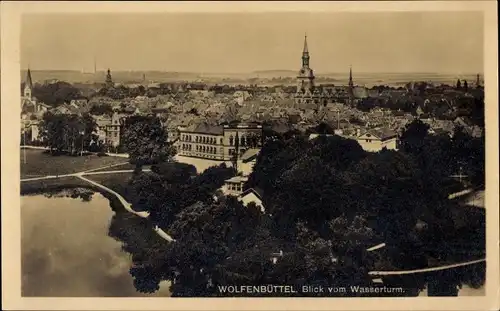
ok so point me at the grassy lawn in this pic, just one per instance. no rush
(118, 182)
(39, 163)
(124, 166)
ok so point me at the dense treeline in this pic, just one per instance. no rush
(326, 202)
(146, 140)
(54, 94)
(71, 134)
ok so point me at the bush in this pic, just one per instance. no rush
(174, 171)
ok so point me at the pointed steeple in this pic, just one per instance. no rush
(305, 54)
(29, 81)
(306, 50)
(351, 84)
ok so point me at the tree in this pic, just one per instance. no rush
(68, 133)
(321, 128)
(170, 188)
(325, 207)
(466, 87)
(145, 140)
(412, 139)
(100, 109)
(459, 84)
(54, 94)
(468, 152)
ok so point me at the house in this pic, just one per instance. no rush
(468, 126)
(30, 129)
(247, 161)
(439, 131)
(316, 135)
(102, 122)
(375, 140)
(252, 196)
(114, 129)
(234, 186)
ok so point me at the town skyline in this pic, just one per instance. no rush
(256, 42)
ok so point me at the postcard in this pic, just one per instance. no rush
(250, 155)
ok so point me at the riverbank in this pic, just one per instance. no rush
(60, 185)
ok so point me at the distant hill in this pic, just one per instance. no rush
(360, 78)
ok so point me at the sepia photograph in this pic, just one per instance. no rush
(253, 154)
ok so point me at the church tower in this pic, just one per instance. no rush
(109, 80)
(305, 79)
(28, 86)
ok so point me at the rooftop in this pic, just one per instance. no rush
(382, 133)
(237, 179)
(249, 154)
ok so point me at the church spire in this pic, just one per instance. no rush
(29, 81)
(351, 84)
(305, 54)
(306, 50)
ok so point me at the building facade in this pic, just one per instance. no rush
(234, 186)
(114, 129)
(218, 142)
(377, 139)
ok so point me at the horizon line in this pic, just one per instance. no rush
(253, 72)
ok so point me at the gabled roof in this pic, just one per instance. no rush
(382, 133)
(257, 191)
(237, 179)
(249, 154)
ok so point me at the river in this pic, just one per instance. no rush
(66, 250)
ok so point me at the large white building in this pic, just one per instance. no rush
(218, 142)
(375, 140)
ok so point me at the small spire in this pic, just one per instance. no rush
(306, 50)
(351, 84)
(29, 81)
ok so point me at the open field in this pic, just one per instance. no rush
(123, 166)
(39, 163)
(200, 164)
(118, 182)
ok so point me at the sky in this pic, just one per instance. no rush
(437, 42)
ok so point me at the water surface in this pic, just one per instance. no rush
(66, 250)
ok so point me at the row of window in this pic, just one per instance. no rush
(201, 139)
(244, 140)
(235, 187)
(203, 149)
